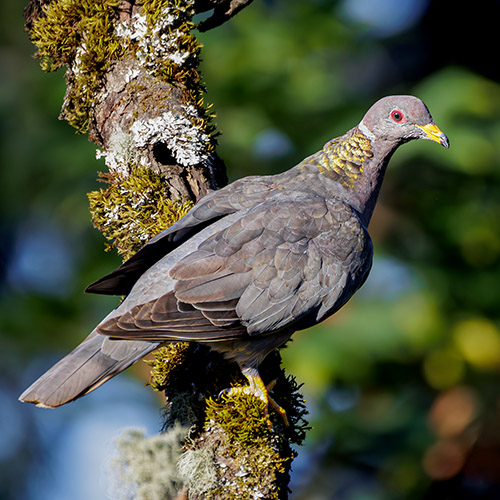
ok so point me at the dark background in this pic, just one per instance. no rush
(403, 383)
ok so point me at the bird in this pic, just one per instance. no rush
(250, 263)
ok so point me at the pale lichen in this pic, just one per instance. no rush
(86, 37)
(154, 43)
(133, 209)
(236, 454)
(185, 139)
(137, 476)
(243, 452)
(121, 153)
(160, 39)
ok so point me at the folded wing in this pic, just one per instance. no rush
(282, 265)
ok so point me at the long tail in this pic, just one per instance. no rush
(93, 362)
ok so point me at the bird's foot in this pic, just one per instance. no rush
(275, 406)
(258, 389)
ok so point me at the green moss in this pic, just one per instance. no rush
(81, 35)
(260, 456)
(166, 360)
(78, 34)
(134, 209)
(185, 75)
(242, 416)
(248, 447)
(185, 42)
(288, 395)
(236, 451)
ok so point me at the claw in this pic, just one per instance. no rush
(257, 388)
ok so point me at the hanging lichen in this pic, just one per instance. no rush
(137, 476)
(133, 210)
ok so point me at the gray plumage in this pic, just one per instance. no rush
(251, 263)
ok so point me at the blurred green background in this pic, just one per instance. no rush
(402, 384)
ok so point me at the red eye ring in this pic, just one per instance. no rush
(397, 116)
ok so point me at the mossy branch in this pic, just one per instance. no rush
(134, 209)
(134, 85)
(231, 452)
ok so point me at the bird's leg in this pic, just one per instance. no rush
(258, 389)
(272, 403)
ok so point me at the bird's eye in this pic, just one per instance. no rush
(397, 116)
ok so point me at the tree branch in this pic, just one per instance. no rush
(134, 85)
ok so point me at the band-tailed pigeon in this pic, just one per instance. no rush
(251, 263)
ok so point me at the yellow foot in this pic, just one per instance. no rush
(275, 406)
(257, 388)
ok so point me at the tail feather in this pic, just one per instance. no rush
(89, 365)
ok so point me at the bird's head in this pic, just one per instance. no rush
(400, 119)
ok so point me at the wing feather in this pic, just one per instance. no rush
(279, 265)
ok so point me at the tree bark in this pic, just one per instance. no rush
(134, 86)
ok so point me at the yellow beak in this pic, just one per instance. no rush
(432, 132)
